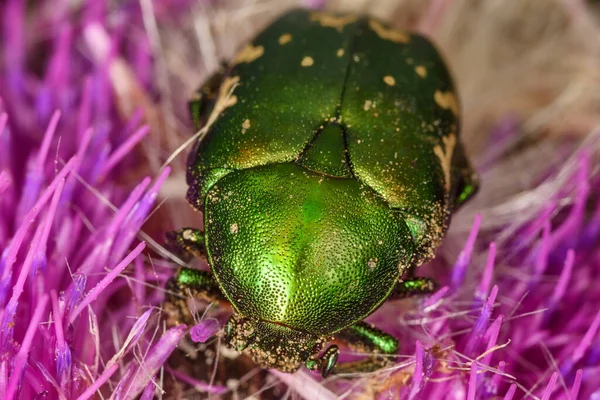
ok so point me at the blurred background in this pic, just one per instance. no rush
(107, 82)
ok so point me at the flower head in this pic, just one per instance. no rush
(73, 285)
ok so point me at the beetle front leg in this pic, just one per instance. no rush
(190, 283)
(413, 287)
(187, 243)
(366, 338)
(325, 363)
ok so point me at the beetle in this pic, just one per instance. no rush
(328, 168)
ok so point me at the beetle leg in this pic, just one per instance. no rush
(187, 243)
(413, 287)
(189, 283)
(366, 338)
(205, 96)
(325, 363)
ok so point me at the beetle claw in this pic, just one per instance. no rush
(328, 360)
(325, 363)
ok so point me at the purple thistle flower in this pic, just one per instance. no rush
(204, 330)
(136, 380)
(80, 298)
(68, 230)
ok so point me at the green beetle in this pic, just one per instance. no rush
(329, 167)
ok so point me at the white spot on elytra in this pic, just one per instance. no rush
(245, 125)
(285, 38)
(307, 61)
(389, 80)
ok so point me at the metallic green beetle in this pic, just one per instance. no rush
(329, 167)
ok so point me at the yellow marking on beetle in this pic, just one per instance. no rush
(285, 38)
(224, 100)
(445, 156)
(248, 54)
(388, 34)
(446, 100)
(340, 52)
(332, 21)
(389, 80)
(226, 97)
(245, 125)
(307, 61)
(421, 71)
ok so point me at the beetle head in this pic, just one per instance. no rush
(274, 345)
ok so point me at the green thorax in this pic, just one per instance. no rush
(311, 252)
